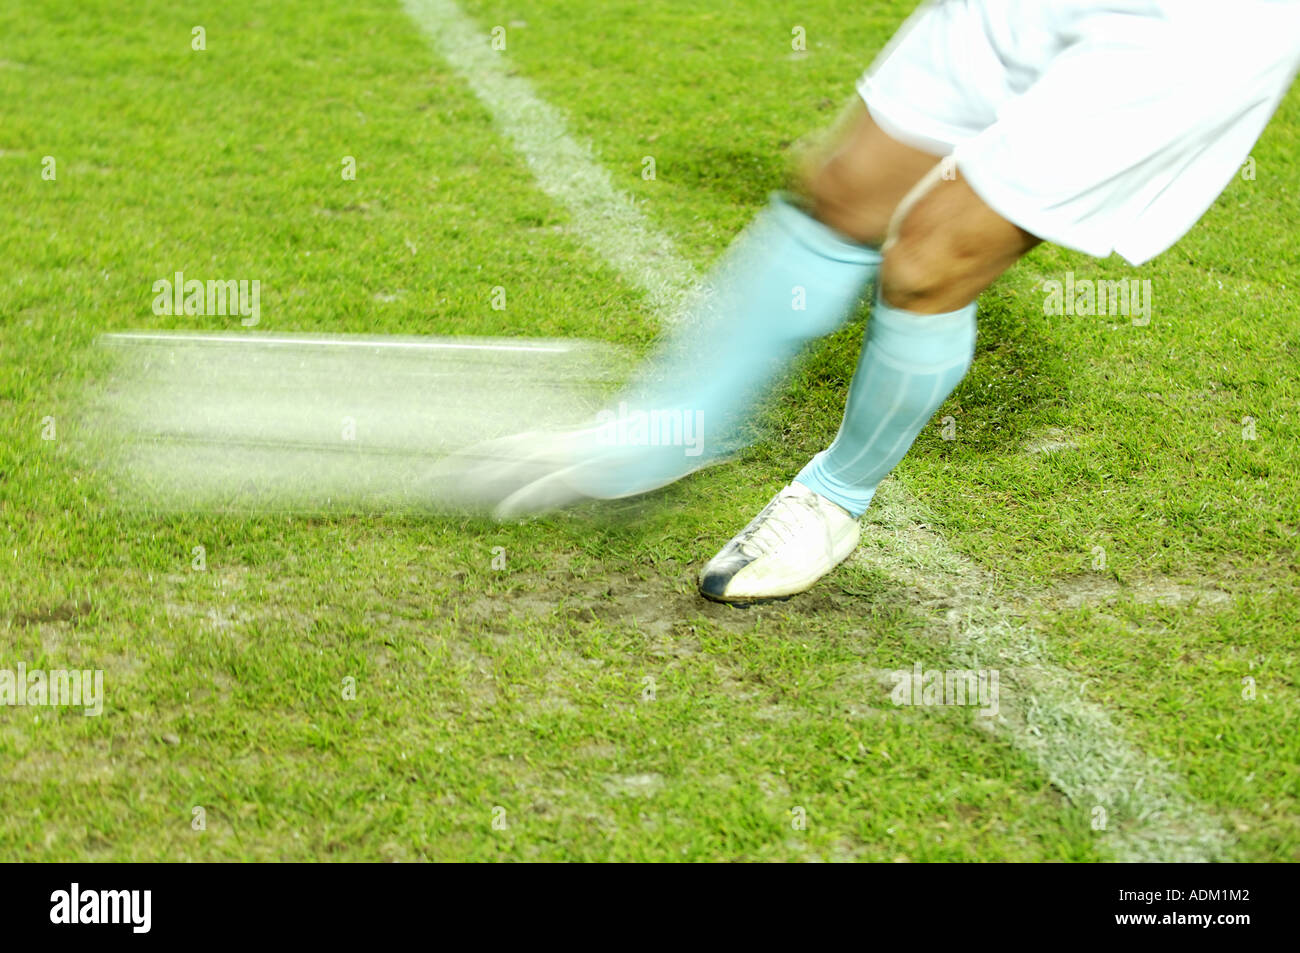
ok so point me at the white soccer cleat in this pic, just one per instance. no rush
(591, 471)
(539, 471)
(797, 538)
(485, 474)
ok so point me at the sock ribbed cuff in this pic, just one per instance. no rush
(922, 338)
(852, 499)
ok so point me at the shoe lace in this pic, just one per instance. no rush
(775, 525)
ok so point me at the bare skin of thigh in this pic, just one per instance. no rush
(942, 244)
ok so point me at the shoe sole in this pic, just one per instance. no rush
(745, 602)
(750, 603)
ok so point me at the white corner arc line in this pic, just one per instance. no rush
(607, 219)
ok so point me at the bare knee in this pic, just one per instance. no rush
(929, 269)
(945, 248)
(857, 179)
(842, 196)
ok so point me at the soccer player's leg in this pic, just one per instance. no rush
(795, 274)
(859, 176)
(944, 246)
(1181, 105)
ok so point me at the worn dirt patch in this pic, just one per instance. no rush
(1100, 590)
(653, 606)
(67, 611)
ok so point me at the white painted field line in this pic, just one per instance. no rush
(1074, 742)
(605, 218)
(1044, 711)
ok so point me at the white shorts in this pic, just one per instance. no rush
(1100, 126)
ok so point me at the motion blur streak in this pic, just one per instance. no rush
(310, 423)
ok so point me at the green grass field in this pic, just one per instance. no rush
(584, 698)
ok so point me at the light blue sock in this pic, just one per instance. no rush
(787, 280)
(910, 363)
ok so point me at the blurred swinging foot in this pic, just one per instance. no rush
(537, 472)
